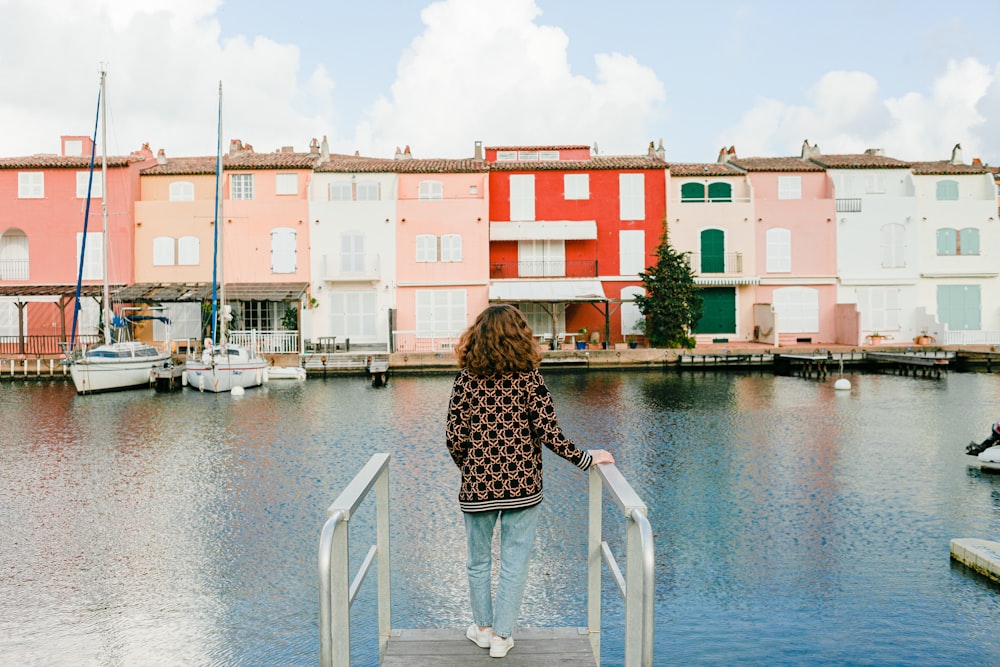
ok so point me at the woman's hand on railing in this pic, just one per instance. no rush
(601, 456)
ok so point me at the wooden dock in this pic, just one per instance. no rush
(533, 647)
(983, 556)
(805, 365)
(926, 365)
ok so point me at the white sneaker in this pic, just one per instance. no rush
(500, 645)
(480, 638)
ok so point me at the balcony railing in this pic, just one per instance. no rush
(849, 205)
(728, 262)
(412, 341)
(569, 268)
(13, 269)
(351, 267)
(41, 345)
(269, 342)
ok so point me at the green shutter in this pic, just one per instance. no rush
(946, 241)
(720, 192)
(719, 314)
(713, 245)
(692, 192)
(968, 241)
(959, 306)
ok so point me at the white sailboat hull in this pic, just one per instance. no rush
(116, 366)
(220, 373)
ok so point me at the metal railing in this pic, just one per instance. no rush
(412, 341)
(552, 268)
(848, 204)
(984, 337)
(338, 590)
(335, 596)
(271, 342)
(636, 586)
(44, 344)
(727, 262)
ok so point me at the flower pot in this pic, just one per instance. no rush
(581, 345)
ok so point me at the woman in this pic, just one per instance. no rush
(499, 416)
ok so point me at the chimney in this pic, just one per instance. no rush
(651, 151)
(235, 147)
(723, 156)
(324, 149)
(313, 147)
(161, 156)
(809, 151)
(976, 162)
(878, 152)
(956, 154)
(287, 149)
(661, 152)
(399, 154)
(407, 155)
(477, 153)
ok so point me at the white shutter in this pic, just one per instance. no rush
(93, 263)
(188, 250)
(522, 197)
(631, 197)
(283, 249)
(631, 251)
(779, 250)
(163, 251)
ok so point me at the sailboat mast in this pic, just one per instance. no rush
(218, 289)
(106, 292)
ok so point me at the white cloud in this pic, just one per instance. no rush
(845, 114)
(485, 69)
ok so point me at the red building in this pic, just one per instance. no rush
(569, 233)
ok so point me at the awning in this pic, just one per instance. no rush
(548, 291)
(551, 230)
(169, 292)
(726, 282)
(47, 293)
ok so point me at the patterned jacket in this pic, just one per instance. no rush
(495, 429)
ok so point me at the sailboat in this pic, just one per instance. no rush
(223, 366)
(114, 364)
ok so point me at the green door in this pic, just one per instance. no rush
(713, 245)
(958, 306)
(719, 315)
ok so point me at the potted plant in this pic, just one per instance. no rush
(923, 338)
(581, 342)
(875, 338)
(632, 342)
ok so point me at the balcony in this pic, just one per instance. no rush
(849, 205)
(351, 268)
(13, 269)
(728, 262)
(550, 268)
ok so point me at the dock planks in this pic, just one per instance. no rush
(983, 556)
(533, 647)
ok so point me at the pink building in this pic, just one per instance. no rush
(796, 246)
(43, 203)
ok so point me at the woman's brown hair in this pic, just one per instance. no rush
(499, 341)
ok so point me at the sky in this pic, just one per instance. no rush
(912, 78)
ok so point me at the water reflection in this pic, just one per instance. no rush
(794, 524)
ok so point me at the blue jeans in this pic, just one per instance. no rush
(517, 535)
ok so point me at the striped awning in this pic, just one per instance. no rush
(725, 282)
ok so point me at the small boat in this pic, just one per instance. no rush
(223, 366)
(286, 373)
(115, 364)
(989, 460)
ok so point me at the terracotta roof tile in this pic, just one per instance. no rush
(945, 167)
(537, 148)
(367, 165)
(598, 162)
(859, 161)
(182, 166)
(64, 162)
(774, 164)
(703, 169)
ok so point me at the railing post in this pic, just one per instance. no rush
(382, 545)
(594, 562)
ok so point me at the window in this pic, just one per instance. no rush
(720, 191)
(83, 182)
(631, 251)
(522, 197)
(352, 252)
(540, 319)
(90, 318)
(789, 187)
(947, 241)
(188, 250)
(262, 315)
(947, 190)
(631, 196)
(9, 320)
(879, 308)
(506, 156)
(960, 307)
(426, 248)
(185, 322)
(548, 156)
(283, 249)
(451, 248)
(93, 259)
(692, 192)
(73, 147)
(527, 156)
(163, 251)
(875, 183)
(958, 242)
(341, 191)
(440, 313)
(354, 314)
(286, 184)
(779, 250)
(14, 255)
(576, 186)
(632, 318)
(541, 258)
(968, 241)
(369, 191)
(430, 190)
(893, 246)
(797, 309)
(30, 184)
(241, 186)
(181, 191)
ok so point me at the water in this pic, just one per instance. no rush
(794, 524)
